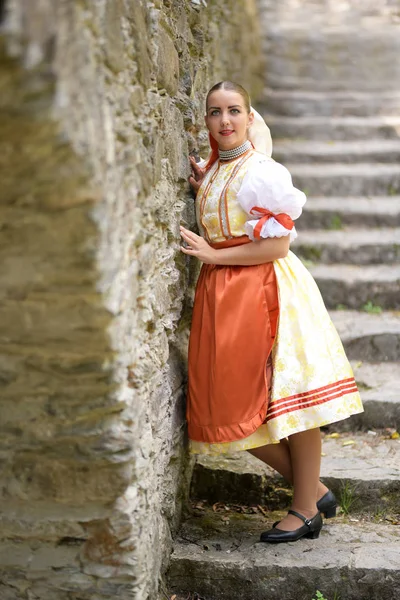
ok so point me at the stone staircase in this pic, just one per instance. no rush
(333, 104)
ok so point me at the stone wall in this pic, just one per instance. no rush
(100, 102)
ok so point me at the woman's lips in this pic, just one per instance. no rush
(227, 132)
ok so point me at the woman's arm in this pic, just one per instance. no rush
(256, 253)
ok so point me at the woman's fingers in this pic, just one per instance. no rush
(187, 250)
(194, 183)
(189, 235)
(197, 176)
(198, 171)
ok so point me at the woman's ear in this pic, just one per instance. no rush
(251, 118)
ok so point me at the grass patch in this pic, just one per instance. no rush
(371, 308)
(363, 386)
(347, 497)
(319, 596)
(311, 253)
(335, 223)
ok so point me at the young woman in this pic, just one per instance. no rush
(266, 366)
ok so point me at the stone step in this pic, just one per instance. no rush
(349, 245)
(356, 286)
(346, 57)
(333, 128)
(342, 11)
(379, 385)
(294, 151)
(361, 465)
(335, 213)
(220, 558)
(337, 179)
(311, 103)
(369, 336)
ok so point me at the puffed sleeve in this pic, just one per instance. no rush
(269, 197)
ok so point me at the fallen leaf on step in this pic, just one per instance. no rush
(262, 510)
(395, 435)
(225, 519)
(323, 453)
(349, 443)
(332, 436)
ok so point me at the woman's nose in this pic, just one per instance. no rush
(224, 119)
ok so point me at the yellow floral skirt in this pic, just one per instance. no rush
(312, 383)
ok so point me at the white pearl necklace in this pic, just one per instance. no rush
(234, 152)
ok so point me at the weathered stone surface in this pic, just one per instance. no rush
(303, 55)
(100, 103)
(338, 179)
(294, 151)
(333, 128)
(240, 478)
(334, 213)
(215, 558)
(353, 287)
(350, 246)
(371, 337)
(368, 466)
(380, 389)
(353, 103)
(333, 12)
(319, 46)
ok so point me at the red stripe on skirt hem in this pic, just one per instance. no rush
(311, 403)
(313, 395)
(317, 390)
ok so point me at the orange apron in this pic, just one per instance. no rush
(234, 324)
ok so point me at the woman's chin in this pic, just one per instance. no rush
(228, 142)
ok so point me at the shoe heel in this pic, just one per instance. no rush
(313, 535)
(330, 513)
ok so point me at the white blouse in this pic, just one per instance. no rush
(268, 184)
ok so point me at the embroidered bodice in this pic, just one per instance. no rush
(231, 192)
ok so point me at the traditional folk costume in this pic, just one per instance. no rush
(265, 360)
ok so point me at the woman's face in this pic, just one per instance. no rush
(227, 119)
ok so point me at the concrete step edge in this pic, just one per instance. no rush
(362, 469)
(352, 273)
(351, 560)
(348, 236)
(353, 324)
(326, 147)
(333, 95)
(357, 205)
(339, 169)
(353, 121)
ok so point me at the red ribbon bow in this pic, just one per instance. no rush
(282, 218)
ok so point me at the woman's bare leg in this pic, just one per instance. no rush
(305, 452)
(279, 458)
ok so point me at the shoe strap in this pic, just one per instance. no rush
(299, 516)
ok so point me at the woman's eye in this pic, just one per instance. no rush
(235, 111)
(214, 113)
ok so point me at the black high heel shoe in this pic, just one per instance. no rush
(327, 505)
(310, 529)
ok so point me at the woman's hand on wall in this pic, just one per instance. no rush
(197, 175)
(197, 246)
